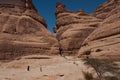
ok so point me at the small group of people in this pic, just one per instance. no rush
(60, 52)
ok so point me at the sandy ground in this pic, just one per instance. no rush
(43, 68)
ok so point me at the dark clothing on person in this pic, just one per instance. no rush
(28, 68)
(60, 51)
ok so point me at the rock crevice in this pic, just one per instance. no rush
(73, 27)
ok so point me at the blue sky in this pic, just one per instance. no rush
(46, 8)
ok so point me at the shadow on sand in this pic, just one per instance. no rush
(103, 67)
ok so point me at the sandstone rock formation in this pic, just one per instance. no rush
(23, 31)
(105, 40)
(72, 28)
(103, 10)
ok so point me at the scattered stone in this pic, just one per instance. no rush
(61, 75)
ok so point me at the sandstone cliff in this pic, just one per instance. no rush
(105, 40)
(72, 28)
(104, 9)
(23, 31)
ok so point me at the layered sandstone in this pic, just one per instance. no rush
(105, 40)
(72, 28)
(23, 31)
(104, 9)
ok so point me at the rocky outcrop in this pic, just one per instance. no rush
(23, 31)
(104, 9)
(104, 42)
(72, 28)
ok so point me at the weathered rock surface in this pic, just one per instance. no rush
(105, 40)
(104, 9)
(23, 31)
(72, 28)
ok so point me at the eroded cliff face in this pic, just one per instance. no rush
(83, 34)
(104, 9)
(104, 42)
(23, 31)
(72, 28)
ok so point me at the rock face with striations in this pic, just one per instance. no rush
(72, 28)
(105, 40)
(23, 31)
(103, 10)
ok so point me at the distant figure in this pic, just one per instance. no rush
(40, 68)
(28, 68)
(60, 50)
(87, 57)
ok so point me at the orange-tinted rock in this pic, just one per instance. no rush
(104, 42)
(103, 10)
(23, 31)
(72, 28)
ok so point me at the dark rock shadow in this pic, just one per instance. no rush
(38, 58)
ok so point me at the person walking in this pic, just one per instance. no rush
(28, 68)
